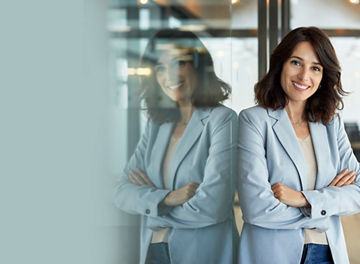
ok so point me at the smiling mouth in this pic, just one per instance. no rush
(175, 86)
(299, 86)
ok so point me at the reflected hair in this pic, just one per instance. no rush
(210, 90)
(322, 105)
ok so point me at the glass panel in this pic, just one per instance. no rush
(137, 61)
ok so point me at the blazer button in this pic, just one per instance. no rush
(148, 211)
(323, 212)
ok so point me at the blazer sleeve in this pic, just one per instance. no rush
(337, 200)
(257, 201)
(213, 200)
(136, 199)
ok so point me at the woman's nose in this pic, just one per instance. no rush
(303, 75)
(171, 74)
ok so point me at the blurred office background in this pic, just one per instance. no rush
(71, 119)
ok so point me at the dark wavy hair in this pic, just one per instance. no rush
(210, 90)
(321, 106)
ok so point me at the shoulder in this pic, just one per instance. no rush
(221, 113)
(257, 112)
(256, 115)
(336, 125)
(256, 121)
(337, 122)
(217, 118)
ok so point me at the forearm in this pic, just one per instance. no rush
(261, 208)
(181, 218)
(136, 199)
(204, 209)
(333, 201)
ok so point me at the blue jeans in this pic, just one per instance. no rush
(158, 253)
(316, 254)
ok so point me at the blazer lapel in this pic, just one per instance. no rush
(288, 139)
(188, 139)
(158, 152)
(322, 152)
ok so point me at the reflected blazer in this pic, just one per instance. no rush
(269, 152)
(202, 230)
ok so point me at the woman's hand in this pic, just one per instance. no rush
(182, 195)
(138, 177)
(289, 196)
(343, 178)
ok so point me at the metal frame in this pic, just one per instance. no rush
(133, 113)
(262, 38)
(273, 25)
(211, 33)
(285, 17)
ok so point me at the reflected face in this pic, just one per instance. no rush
(301, 73)
(176, 75)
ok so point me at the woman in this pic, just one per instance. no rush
(297, 172)
(180, 176)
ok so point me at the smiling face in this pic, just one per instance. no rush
(176, 75)
(301, 73)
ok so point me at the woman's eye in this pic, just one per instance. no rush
(181, 63)
(177, 64)
(159, 68)
(295, 62)
(317, 69)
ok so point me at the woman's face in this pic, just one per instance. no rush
(176, 75)
(301, 73)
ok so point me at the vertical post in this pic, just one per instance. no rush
(285, 17)
(132, 231)
(133, 113)
(273, 25)
(262, 38)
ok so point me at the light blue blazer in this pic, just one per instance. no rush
(269, 152)
(203, 229)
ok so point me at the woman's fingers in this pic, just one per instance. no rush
(193, 186)
(135, 178)
(346, 180)
(138, 177)
(338, 177)
(182, 195)
(351, 179)
(190, 189)
(277, 189)
(132, 178)
(144, 177)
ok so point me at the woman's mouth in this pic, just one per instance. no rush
(175, 86)
(300, 86)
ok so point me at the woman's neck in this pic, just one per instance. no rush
(186, 111)
(296, 112)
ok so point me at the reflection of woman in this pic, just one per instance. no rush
(180, 176)
(291, 147)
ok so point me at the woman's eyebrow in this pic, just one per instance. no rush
(299, 58)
